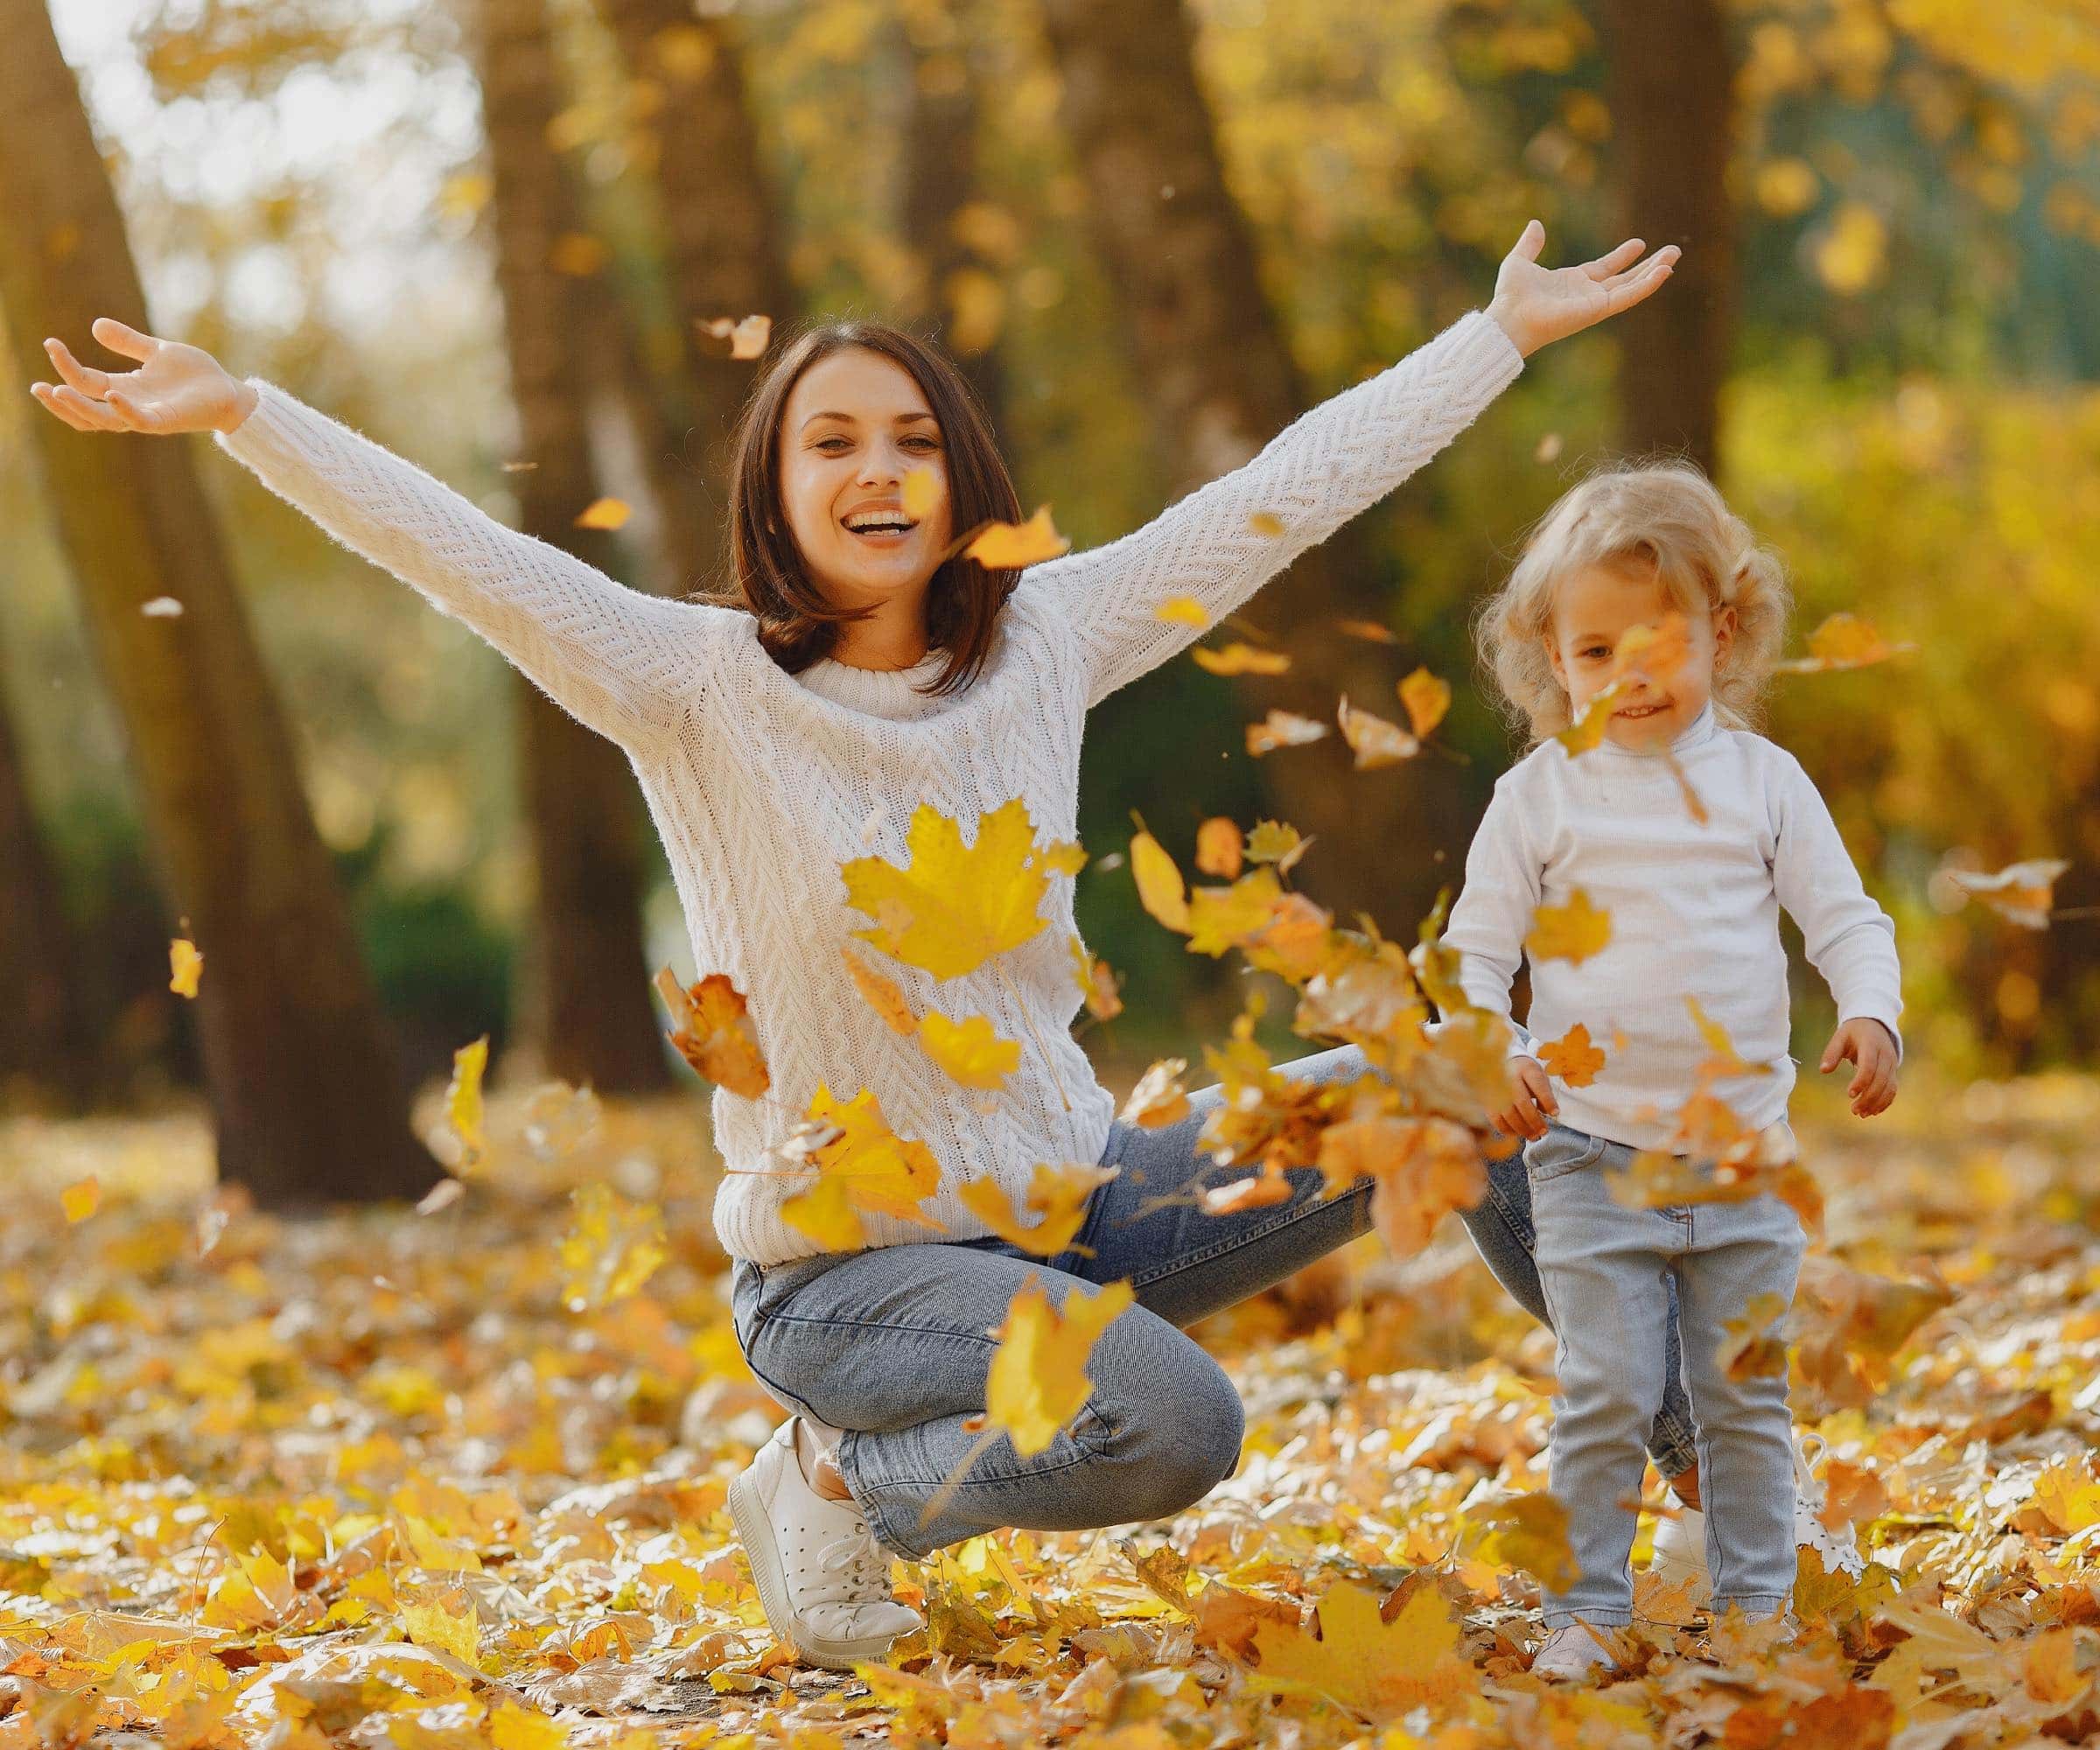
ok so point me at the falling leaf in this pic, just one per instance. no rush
(185, 967)
(1182, 610)
(1843, 642)
(606, 513)
(1219, 848)
(1427, 699)
(1588, 730)
(1273, 842)
(1011, 547)
(1573, 932)
(1752, 1347)
(1375, 741)
(1723, 1059)
(952, 907)
(737, 338)
(1239, 658)
(1571, 1058)
(1266, 524)
(1281, 729)
(611, 1248)
(712, 1029)
(1377, 1669)
(1265, 1189)
(1222, 918)
(2022, 893)
(1098, 986)
(82, 1198)
(865, 1168)
(1425, 1168)
(1531, 1531)
(1037, 1380)
(922, 491)
(970, 1051)
(441, 1195)
(883, 995)
(1853, 1325)
(1159, 1099)
(1548, 449)
(1160, 890)
(463, 1109)
(1368, 630)
(161, 607)
(1058, 1196)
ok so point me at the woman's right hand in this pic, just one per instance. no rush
(1531, 1100)
(176, 388)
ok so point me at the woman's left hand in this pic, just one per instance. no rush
(1536, 304)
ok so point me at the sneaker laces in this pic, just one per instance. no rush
(859, 1562)
(1805, 1461)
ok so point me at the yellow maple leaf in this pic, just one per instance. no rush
(712, 1028)
(1531, 1531)
(1239, 658)
(969, 1050)
(1038, 1381)
(1373, 740)
(1571, 932)
(612, 1246)
(82, 1198)
(1377, 1668)
(866, 1166)
(1843, 642)
(1182, 610)
(883, 994)
(1274, 841)
(1427, 699)
(1726, 1059)
(1160, 886)
(604, 512)
(1013, 546)
(1220, 918)
(185, 967)
(463, 1109)
(1058, 1195)
(1571, 1058)
(955, 906)
(450, 1629)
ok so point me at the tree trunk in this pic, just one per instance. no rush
(1669, 59)
(302, 1072)
(1220, 383)
(586, 1003)
(939, 183)
(42, 1045)
(721, 235)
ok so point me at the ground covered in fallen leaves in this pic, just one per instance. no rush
(458, 1478)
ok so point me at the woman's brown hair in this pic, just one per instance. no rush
(796, 625)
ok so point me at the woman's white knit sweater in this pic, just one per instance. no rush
(762, 784)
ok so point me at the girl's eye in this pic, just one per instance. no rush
(1597, 650)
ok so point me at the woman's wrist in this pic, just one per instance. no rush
(1502, 310)
(245, 402)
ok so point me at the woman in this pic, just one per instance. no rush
(866, 674)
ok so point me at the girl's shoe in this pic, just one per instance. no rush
(1679, 1557)
(823, 1578)
(1571, 1654)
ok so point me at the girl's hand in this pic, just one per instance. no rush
(1532, 1100)
(176, 388)
(1871, 1049)
(1536, 304)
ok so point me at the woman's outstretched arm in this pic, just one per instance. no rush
(618, 659)
(1224, 541)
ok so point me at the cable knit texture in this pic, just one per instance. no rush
(1694, 913)
(762, 784)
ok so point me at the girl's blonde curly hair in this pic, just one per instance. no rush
(1665, 516)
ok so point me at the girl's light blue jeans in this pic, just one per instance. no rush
(1608, 1273)
(892, 1345)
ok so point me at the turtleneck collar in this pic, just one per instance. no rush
(1701, 728)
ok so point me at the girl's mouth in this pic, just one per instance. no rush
(1633, 713)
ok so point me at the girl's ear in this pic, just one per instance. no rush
(1551, 645)
(1724, 630)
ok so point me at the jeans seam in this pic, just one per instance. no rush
(1223, 1247)
(984, 1342)
(1086, 1455)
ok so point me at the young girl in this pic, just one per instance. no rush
(1689, 832)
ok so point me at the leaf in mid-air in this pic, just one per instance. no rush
(1057, 1195)
(1182, 610)
(606, 514)
(1843, 642)
(866, 1167)
(1014, 546)
(711, 1025)
(1096, 981)
(2021, 893)
(1588, 730)
(1158, 1098)
(1572, 1058)
(955, 906)
(1219, 848)
(882, 994)
(1281, 729)
(731, 337)
(1038, 1381)
(970, 1051)
(1160, 890)
(1240, 658)
(1571, 932)
(463, 1109)
(1427, 699)
(613, 1248)
(1375, 740)
(185, 967)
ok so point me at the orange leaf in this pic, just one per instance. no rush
(1375, 741)
(1571, 1058)
(1427, 699)
(1242, 659)
(1158, 1098)
(1219, 847)
(884, 995)
(1843, 642)
(604, 512)
(862, 1166)
(185, 967)
(1010, 547)
(712, 1030)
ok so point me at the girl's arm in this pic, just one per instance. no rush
(619, 660)
(1849, 940)
(1494, 908)
(1221, 543)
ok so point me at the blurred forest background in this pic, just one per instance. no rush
(484, 231)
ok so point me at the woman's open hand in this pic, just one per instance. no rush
(1537, 304)
(175, 389)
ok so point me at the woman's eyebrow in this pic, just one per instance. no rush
(902, 419)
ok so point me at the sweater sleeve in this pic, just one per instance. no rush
(1338, 459)
(618, 659)
(1849, 940)
(1494, 908)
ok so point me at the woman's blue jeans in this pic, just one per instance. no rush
(892, 1345)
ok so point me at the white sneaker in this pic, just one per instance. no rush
(1679, 1557)
(822, 1577)
(1571, 1654)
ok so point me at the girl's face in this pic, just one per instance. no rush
(855, 424)
(1594, 609)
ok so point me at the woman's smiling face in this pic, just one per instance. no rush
(856, 424)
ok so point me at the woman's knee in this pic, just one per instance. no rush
(1173, 1442)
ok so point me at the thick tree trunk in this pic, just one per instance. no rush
(939, 183)
(586, 1004)
(1220, 383)
(41, 1043)
(302, 1072)
(1669, 59)
(721, 238)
